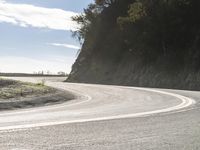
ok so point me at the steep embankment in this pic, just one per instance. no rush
(142, 43)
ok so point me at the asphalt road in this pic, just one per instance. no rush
(106, 117)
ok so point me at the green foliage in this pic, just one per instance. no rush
(149, 28)
(135, 13)
(85, 21)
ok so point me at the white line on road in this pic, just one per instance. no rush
(185, 102)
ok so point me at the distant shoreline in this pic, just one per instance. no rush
(29, 75)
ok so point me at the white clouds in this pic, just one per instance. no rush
(28, 65)
(65, 45)
(28, 15)
(2, 1)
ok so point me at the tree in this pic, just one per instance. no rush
(85, 20)
(104, 3)
(135, 13)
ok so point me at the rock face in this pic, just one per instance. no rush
(124, 68)
(128, 71)
(112, 56)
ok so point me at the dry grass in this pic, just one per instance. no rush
(15, 89)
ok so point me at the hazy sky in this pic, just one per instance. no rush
(35, 34)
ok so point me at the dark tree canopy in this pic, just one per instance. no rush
(166, 27)
(140, 42)
(104, 3)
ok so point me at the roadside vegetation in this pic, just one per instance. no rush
(10, 89)
(152, 43)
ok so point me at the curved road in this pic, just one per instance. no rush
(106, 117)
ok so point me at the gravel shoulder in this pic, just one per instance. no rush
(17, 94)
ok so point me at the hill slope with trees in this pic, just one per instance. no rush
(152, 43)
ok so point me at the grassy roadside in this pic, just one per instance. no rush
(10, 89)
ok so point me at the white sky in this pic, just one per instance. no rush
(37, 37)
(27, 65)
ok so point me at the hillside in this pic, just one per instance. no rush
(151, 43)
